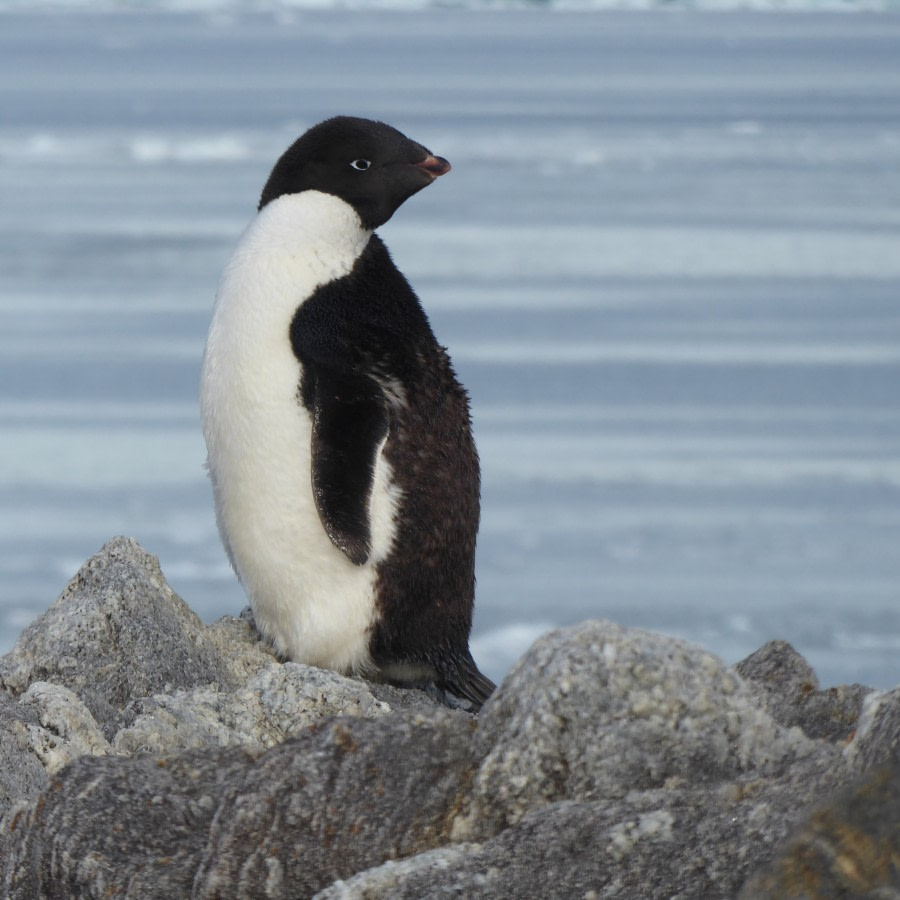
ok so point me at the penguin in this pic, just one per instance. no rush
(344, 472)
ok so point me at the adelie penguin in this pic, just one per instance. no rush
(345, 476)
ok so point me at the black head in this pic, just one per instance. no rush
(369, 164)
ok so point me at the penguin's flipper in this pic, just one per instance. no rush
(349, 424)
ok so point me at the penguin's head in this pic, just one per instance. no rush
(370, 165)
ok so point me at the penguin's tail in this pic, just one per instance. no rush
(466, 681)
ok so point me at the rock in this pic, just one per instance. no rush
(22, 776)
(67, 729)
(788, 689)
(340, 799)
(877, 738)
(238, 646)
(112, 827)
(117, 632)
(282, 700)
(132, 670)
(598, 711)
(697, 843)
(848, 848)
(242, 822)
(147, 755)
(447, 871)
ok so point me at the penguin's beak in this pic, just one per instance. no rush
(435, 166)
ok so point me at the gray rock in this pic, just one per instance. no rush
(112, 827)
(237, 643)
(452, 871)
(241, 822)
(145, 755)
(67, 729)
(343, 798)
(693, 844)
(132, 670)
(282, 700)
(877, 738)
(117, 632)
(849, 848)
(423, 699)
(788, 689)
(22, 776)
(598, 711)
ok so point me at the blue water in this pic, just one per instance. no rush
(666, 264)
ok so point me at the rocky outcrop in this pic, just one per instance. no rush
(147, 755)
(849, 847)
(118, 632)
(787, 688)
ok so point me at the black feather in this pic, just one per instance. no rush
(349, 424)
(469, 683)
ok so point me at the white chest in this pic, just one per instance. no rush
(306, 596)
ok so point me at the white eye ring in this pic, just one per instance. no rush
(360, 164)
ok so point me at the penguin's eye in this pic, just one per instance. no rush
(360, 164)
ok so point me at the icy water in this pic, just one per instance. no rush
(666, 264)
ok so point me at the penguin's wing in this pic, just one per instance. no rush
(350, 423)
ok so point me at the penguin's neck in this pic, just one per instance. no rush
(296, 243)
(313, 232)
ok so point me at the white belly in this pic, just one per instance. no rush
(307, 597)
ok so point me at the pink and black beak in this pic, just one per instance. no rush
(435, 166)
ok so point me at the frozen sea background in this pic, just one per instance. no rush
(666, 264)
